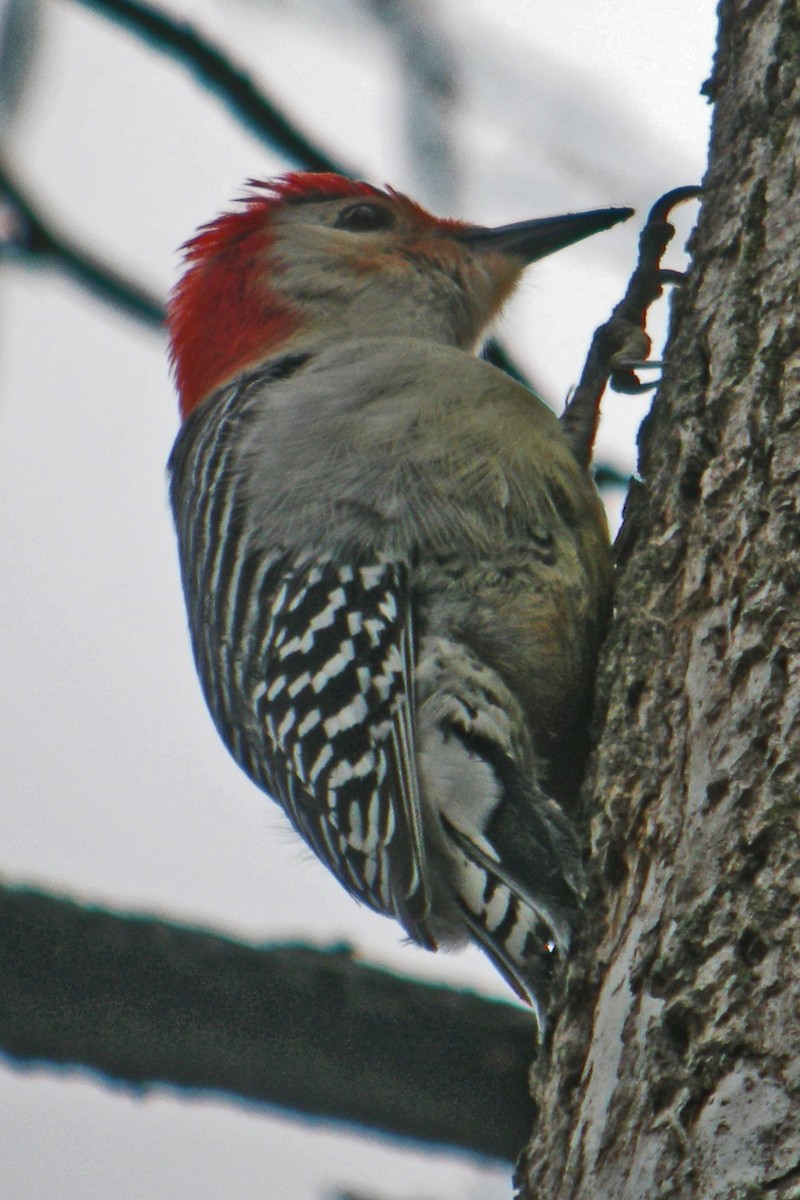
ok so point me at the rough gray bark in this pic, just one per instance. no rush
(676, 1066)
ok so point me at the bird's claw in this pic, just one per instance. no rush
(629, 383)
(620, 346)
(655, 238)
(667, 275)
(664, 205)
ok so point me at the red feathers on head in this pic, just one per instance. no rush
(222, 315)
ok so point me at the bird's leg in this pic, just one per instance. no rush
(620, 346)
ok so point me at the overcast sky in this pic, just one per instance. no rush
(113, 784)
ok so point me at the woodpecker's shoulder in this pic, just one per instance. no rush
(402, 374)
(404, 396)
(389, 444)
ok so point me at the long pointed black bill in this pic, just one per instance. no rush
(532, 240)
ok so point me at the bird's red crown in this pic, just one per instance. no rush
(222, 314)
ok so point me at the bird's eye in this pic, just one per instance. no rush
(364, 218)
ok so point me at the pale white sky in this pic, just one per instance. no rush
(113, 785)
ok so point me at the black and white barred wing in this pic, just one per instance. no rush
(335, 702)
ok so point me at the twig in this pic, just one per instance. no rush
(430, 87)
(214, 70)
(497, 354)
(33, 237)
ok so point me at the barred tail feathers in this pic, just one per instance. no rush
(509, 850)
(512, 911)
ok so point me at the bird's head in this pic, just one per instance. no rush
(312, 258)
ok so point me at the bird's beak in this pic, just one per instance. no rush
(532, 240)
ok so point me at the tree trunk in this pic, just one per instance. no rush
(676, 1064)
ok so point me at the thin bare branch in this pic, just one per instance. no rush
(30, 235)
(214, 69)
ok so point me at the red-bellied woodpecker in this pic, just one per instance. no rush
(396, 571)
